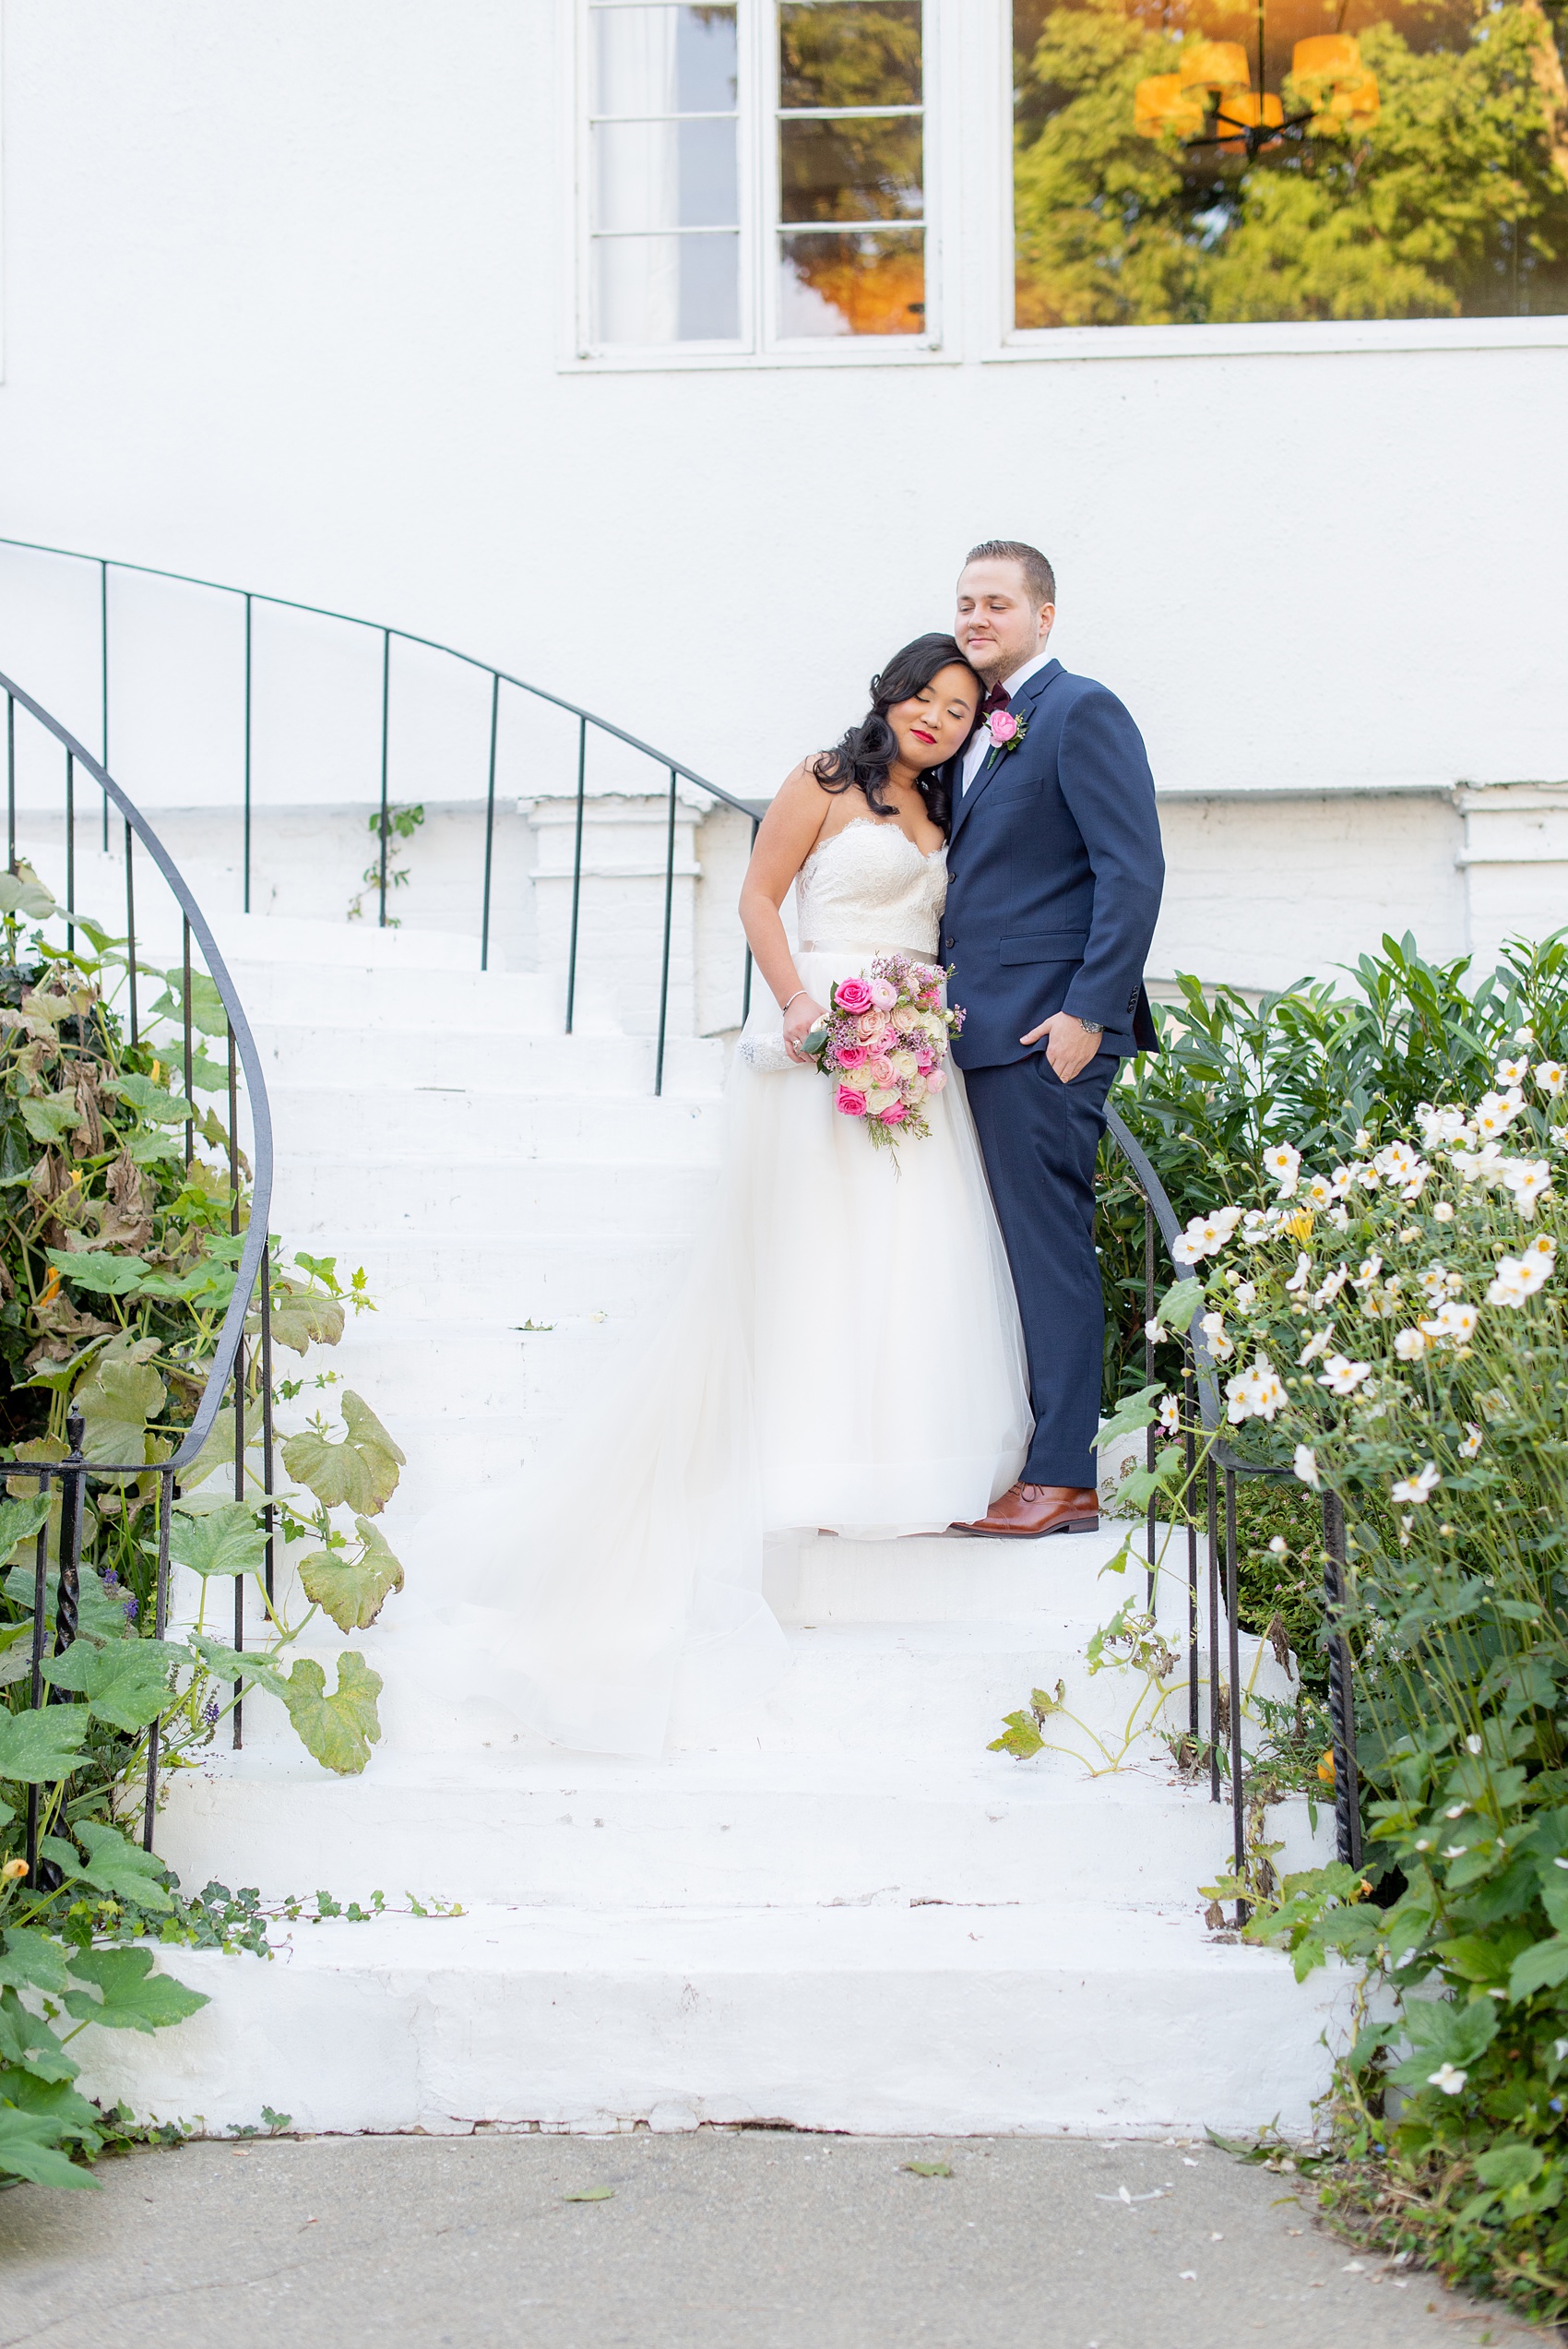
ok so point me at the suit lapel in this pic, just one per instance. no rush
(995, 758)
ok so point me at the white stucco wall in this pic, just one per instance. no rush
(283, 306)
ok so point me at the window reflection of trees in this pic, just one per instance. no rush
(1454, 201)
(845, 159)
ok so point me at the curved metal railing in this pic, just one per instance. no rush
(674, 769)
(1203, 1413)
(226, 1366)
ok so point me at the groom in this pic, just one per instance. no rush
(1053, 886)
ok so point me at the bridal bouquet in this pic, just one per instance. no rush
(884, 1043)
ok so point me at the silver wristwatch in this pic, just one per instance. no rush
(1092, 1026)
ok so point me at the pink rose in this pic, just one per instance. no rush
(1003, 726)
(849, 1103)
(854, 996)
(880, 1071)
(883, 995)
(852, 1056)
(869, 1028)
(925, 1062)
(896, 1116)
(935, 1080)
(932, 1002)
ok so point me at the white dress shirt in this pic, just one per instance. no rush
(974, 757)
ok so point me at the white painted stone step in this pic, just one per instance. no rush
(488, 1278)
(1052, 2017)
(587, 1831)
(443, 1056)
(317, 1194)
(386, 1126)
(365, 996)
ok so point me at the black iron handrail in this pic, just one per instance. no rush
(252, 1279)
(675, 769)
(1201, 1413)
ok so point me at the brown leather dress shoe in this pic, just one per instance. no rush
(1025, 1512)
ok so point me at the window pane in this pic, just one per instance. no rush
(665, 175)
(663, 61)
(666, 288)
(870, 284)
(1207, 161)
(858, 170)
(850, 52)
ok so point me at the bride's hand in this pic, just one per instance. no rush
(802, 1016)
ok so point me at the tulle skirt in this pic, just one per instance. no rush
(844, 1353)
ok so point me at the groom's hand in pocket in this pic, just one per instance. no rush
(1069, 1045)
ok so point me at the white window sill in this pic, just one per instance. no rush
(852, 351)
(1286, 337)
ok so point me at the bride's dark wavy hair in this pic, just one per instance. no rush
(862, 760)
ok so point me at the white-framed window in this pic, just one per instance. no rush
(754, 177)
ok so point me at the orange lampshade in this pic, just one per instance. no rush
(1326, 58)
(1160, 104)
(1215, 64)
(1352, 106)
(1244, 109)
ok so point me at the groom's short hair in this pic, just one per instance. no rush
(1039, 577)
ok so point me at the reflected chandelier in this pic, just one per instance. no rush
(1213, 85)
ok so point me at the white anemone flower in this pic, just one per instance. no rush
(1397, 1160)
(1450, 2077)
(1342, 1377)
(1283, 1164)
(1473, 1440)
(1305, 1465)
(1340, 1181)
(1297, 1284)
(1552, 1076)
(1155, 1331)
(1219, 1346)
(1332, 1286)
(1451, 1324)
(1169, 1416)
(1315, 1346)
(1370, 1266)
(1418, 1488)
(1529, 1179)
(1513, 1072)
(1494, 1113)
(1368, 1176)
(1257, 1393)
(1244, 1296)
(1410, 1344)
(1321, 1192)
(1518, 1277)
(1435, 1280)
(1340, 1217)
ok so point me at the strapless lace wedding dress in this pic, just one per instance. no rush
(845, 1354)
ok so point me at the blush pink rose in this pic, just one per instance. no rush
(925, 1062)
(854, 996)
(935, 1080)
(854, 1056)
(896, 1116)
(932, 1002)
(1003, 725)
(849, 1103)
(869, 1026)
(883, 995)
(880, 1071)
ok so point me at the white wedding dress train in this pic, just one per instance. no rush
(845, 1354)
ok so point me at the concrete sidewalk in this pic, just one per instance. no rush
(768, 2239)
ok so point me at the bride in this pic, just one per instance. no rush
(845, 1354)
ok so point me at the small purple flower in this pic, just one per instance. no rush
(131, 1609)
(111, 1579)
(209, 1712)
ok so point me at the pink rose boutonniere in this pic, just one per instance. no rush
(1006, 732)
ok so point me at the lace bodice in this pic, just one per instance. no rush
(872, 890)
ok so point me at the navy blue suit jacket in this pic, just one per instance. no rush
(1054, 874)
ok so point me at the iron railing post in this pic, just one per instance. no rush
(746, 979)
(70, 852)
(1233, 1659)
(246, 901)
(668, 916)
(131, 934)
(386, 710)
(67, 1589)
(489, 820)
(1213, 1496)
(1341, 1688)
(576, 875)
(186, 1029)
(35, 1684)
(160, 1620)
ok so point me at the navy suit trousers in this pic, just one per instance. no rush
(1041, 1139)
